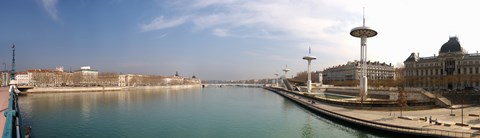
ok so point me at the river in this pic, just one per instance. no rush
(228, 112)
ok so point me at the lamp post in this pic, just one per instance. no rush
(13, 63)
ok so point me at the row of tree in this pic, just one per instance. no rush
(56, 78)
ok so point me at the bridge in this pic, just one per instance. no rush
(12, 120)
(233, 85)
(13, 127)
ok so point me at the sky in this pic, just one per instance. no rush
(225, 39)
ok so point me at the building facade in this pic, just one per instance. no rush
(129, 79)
(351, 71)
(47, 78)
(23, 78)
(453, 68)
(85, 76)
(5, 78)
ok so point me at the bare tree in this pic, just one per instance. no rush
(108, 79)
(402, 99)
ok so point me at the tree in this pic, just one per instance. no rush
(402, 99)
(304, 76)
(108, 78)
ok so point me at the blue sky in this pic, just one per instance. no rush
(224, 39)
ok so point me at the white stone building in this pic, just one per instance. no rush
(453, 68)
(23, 78)
(85, 76)
(351, 71)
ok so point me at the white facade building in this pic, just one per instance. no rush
(23, 78)
(351, 71)
(85, 76)
(453, 68)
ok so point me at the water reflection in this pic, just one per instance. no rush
(307, 130)
(209, 112)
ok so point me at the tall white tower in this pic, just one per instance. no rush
(286, 70)
(363, 33)
(276, 79)
(309, 58)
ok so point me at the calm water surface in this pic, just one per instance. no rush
(187, 113)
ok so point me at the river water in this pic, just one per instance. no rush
(228, 112)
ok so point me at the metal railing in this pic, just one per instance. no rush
(377, 125)
(13, 120)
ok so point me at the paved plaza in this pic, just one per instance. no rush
(412, 118)
(4, 96)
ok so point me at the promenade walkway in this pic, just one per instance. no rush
(412, 122)
(4, 96)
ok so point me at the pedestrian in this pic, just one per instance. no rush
(430, 119)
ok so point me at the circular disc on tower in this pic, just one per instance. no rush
(363, 31)
(309, 57)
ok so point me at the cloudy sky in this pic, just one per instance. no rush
(225, 39)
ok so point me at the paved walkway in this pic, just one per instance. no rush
(412, 118)
(4, 96)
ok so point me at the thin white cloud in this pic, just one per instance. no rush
(220, 32)
(161, 23)
(51, 7)
(161, 36)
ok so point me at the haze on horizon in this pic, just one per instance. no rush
(225, 39)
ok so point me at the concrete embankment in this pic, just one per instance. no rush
(71, 89)
(100, 89)
(384, 120)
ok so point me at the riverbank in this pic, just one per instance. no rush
(441, 123)
(38, 90)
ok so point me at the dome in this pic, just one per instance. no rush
(451, 46)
